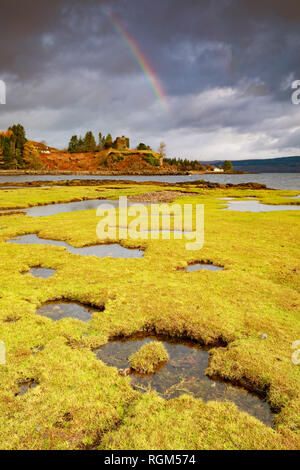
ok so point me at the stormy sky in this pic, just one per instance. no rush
(225, 69)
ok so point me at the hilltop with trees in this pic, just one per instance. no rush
(87, 153)
(88, 143)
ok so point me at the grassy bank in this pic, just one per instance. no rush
(79, 401)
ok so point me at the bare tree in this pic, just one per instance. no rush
(162, 149)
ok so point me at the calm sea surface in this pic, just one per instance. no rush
(272, 180)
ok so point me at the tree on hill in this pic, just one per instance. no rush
(162, 149)
(12, 143)
(19, 140)
(108, 141)
(89, 142)
(143, 146)
(80, 147)
(101, 141)
(227, 165)
(73, 144)
(9, 153)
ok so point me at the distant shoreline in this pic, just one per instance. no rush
(117, 173)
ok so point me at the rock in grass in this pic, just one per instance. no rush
(148, 358)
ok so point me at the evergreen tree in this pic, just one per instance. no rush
(89, 142)
(80, 147)
(8, 153)
(143, 146)
(108, 141)
(19, 136)
(12, 144)
(101, 141)
(73, 144)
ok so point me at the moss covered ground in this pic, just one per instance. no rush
(80, 402)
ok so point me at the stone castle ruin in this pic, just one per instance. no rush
(121, 143)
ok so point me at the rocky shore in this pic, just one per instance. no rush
(152, 172)
(79, 182)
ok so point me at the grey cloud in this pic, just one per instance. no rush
(226, 67)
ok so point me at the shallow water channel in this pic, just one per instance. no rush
(113, 250)
(63, 207)
(184, 373)
(52, 209)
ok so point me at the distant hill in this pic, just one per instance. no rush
(265, 165)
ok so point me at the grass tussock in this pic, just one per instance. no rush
(148, 358)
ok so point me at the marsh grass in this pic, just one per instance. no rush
(80, 402)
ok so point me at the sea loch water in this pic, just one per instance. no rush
(271, 180)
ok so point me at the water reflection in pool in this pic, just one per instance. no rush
(51, 209)
(58, 310)
(43, 273)
(207, 267)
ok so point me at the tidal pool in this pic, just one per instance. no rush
(58, 208)
(51, 209)
(43, 273)
(207, 267)
(256, 206)
(184, 373)
(113, 250)
(200, 266)
(58, 310)
(25, 386)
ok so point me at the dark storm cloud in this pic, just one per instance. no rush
(226, 65)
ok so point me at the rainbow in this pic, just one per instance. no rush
(142, 62)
